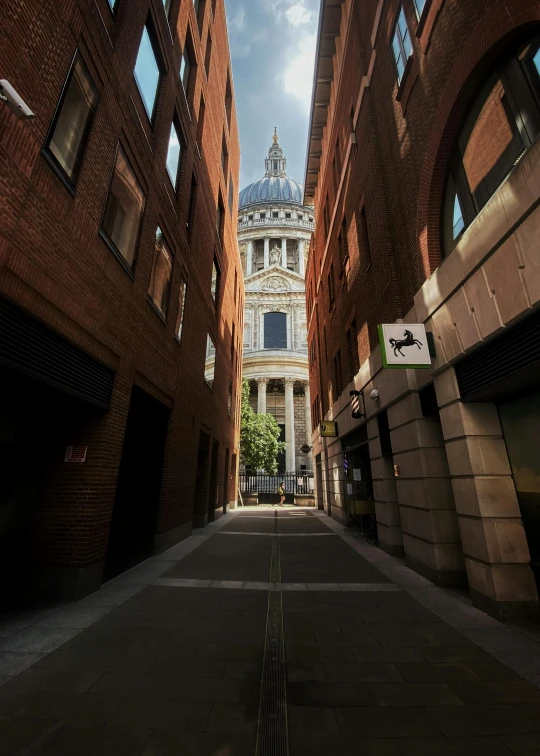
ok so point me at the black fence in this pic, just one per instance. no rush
(261, 483)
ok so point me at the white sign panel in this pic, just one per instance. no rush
(404, 345)
(357, 473)
(349, 489)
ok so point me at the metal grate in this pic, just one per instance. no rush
(272, 731)
(29, 346)
(515, 350)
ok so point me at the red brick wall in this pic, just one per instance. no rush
(398, 168)
(55, 266)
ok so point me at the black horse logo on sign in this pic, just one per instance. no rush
(408, 340)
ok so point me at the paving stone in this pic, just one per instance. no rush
(481, 720)
(36, 640)
(70, 707)
(207, 668)
(82, 740)
(511, 691)
(159, 714)
(493, 671)
(111, 662)
(532, 710)
(199, 744)
(388, 654)
(217, 691)
(14, 663)
(345, 639)
(75, 617)
(19, 734)
(11, 701)
(143, 686)
(319, 653)
(329, 694)
(343, 747)
(523, 745)
(387, 722)
(298, 672)
(229, 651)
(313, 722)
(452, 747)
(34, 680)
(243, 670)
(367, 672)
(234, 719)
(414, 694)
(437, 672)
(454, 654)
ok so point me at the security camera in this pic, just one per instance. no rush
(374, 394)
(14, 101)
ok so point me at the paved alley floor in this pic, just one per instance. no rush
(353, 652)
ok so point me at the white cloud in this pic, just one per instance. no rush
(298, 77)
(297, 15)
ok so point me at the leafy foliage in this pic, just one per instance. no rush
(259, 434)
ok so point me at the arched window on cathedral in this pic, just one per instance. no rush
(275, 330)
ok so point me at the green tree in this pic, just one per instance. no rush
(259, 434)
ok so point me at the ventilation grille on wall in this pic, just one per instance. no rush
(515, 351)
(32, 348)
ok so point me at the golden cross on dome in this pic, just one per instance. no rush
(275, 137)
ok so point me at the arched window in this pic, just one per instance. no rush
(501, 125)
(275, 330)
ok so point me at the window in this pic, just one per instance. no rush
(235, 285)
(192, 202)
(181, 308)
(275, 330)
(113, 4)
(214, 286)
(250, 217)
(173, 155)
(300, 216)
(502, 123)
(200, 122)
(343, 242)
(147, 73)
(231, 193)
(220, 217)
(352, 350)
(263, 216)
(224, 156)
(331, 289)
(167, 7)
(228, 100)
(419, 6)
(288, 215)
(326, 217)
(230, 398)
(208, 54)
(338, 376)
(185, 69)
(401, 44)
(363, 238)
(72, 121)
(160, 281)
(275, 214)
(275, 165)
(124, 209)
(312, 352)
(210, 364)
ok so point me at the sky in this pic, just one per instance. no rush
(273, 51)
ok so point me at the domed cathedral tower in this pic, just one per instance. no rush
(274, 231)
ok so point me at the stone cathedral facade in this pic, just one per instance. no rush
(274, 232)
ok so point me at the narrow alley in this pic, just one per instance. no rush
(354, 654)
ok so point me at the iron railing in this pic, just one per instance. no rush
(261, 483)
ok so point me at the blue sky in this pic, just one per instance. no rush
(273, 49)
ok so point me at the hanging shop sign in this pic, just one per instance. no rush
(328, 429)
(357, 405)
(405, 345)
(75, 454)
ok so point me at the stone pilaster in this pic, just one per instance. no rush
(261, 403)
(496, 553)
(289, 425)
(249, 264)
(385, 495)
(266, 251)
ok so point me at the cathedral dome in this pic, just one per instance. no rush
(276, 187)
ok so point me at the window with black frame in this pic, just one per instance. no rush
(275, 330)
(210, 364)
(160, 281)
(148, 71)
(214, 288)
(501, 125)
(72, 121)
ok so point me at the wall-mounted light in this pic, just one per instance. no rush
(374, 394)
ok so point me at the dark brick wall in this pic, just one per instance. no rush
(54, 264)
(397, 169)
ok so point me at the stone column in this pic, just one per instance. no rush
(385, 494)
(266, 251)
(495, 547)
(301, 257)
(289, 425)
(250, 258)
(308, 412)
(261, 399)
(284, 253)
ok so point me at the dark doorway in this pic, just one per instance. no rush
(281, 456)
(226, 482)
(213, 499)
(136, 503)
(520, 420)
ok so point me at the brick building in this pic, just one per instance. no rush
(118, 268)
(423, 164)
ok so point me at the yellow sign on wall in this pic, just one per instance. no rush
(328, 429)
